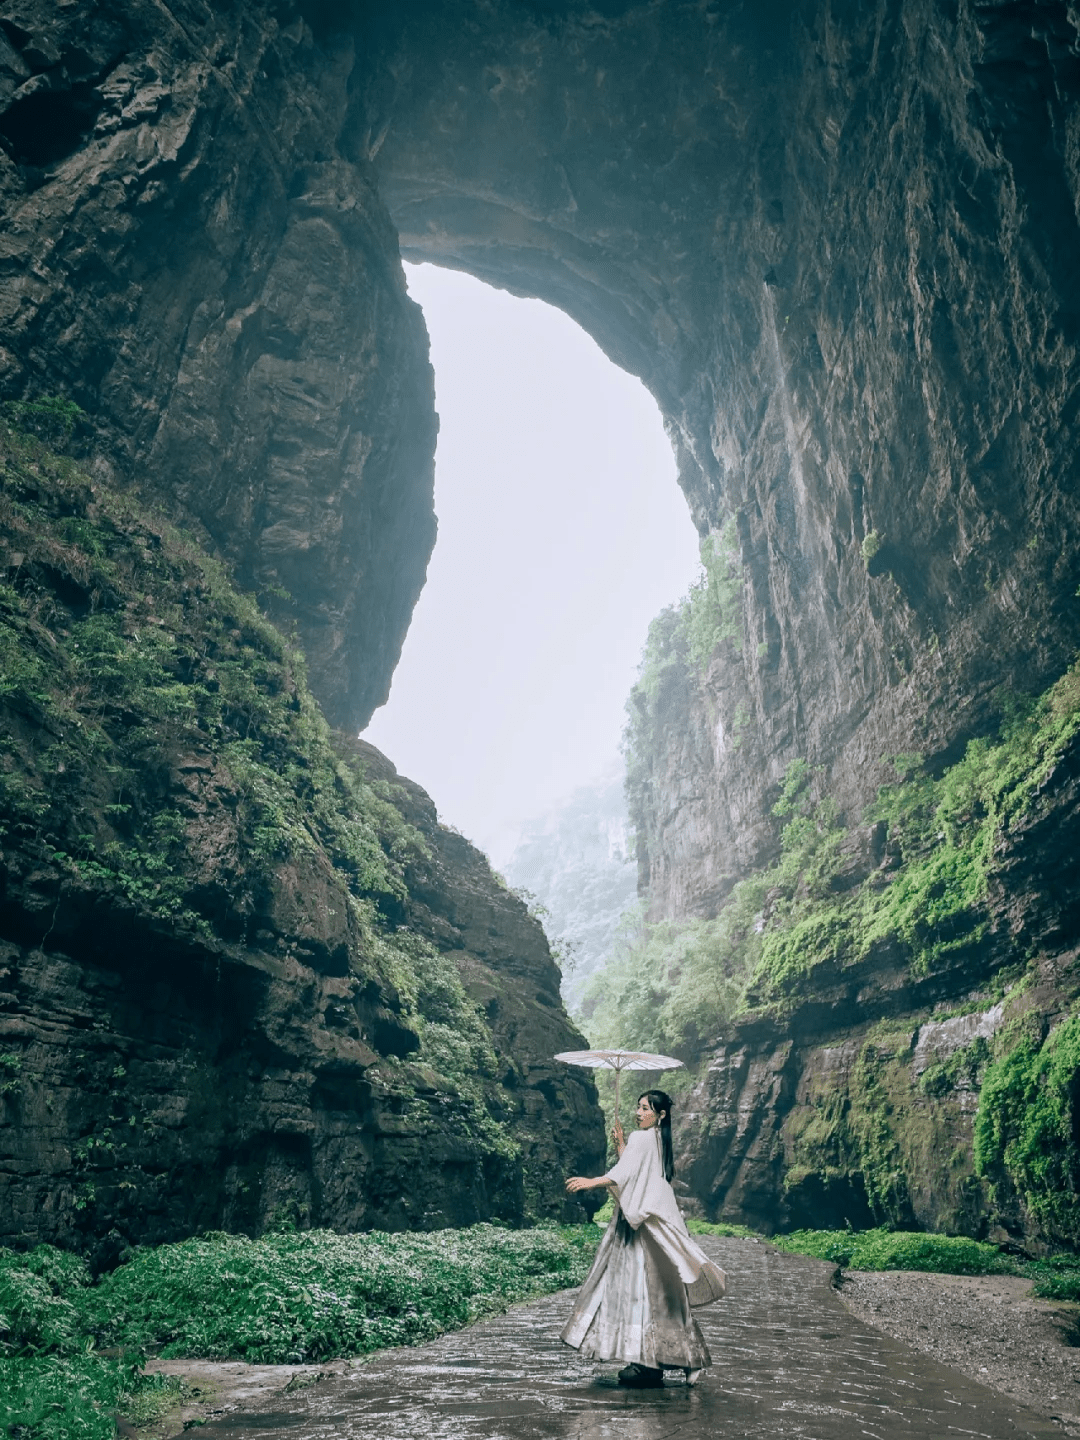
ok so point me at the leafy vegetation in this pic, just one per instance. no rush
(286, 1298)
(910, 892)
(712, 609)
(1054, 1278)
(1025, 1129)
(708, 1227)
(53, 1384)
(127, 644)
(898, 1250)
(681, 643)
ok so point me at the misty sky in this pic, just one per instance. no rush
(562, 532)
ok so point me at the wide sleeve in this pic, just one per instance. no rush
(630, 1161)
(632, 1175)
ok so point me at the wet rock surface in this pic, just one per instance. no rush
(789, 1360)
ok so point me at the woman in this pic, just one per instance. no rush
(635, 1303)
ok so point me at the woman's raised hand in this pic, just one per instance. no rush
(618, 1136)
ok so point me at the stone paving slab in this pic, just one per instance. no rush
(790, 1363)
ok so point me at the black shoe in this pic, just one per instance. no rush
(641, 1377)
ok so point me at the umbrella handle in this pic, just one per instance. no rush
(618, 1077)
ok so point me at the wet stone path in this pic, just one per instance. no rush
(788, 1361)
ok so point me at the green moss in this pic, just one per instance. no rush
(788, 955)
(805, 929)
(962, 1067)
(881, 1161)
(1025, 1129)
(133, 647)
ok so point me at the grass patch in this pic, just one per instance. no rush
(728, 1232)
(284, 1299)
(1055, 1278)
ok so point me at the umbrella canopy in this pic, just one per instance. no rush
(619, 1060)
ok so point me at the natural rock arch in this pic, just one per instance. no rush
(835, 243)
(835, 239)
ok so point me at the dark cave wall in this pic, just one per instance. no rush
(836, 241)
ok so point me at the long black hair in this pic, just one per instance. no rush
(660, 1101)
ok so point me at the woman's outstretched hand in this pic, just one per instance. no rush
(579, 1182)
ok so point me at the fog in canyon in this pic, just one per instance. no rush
(562, 533)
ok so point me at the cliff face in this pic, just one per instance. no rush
(575, 861)
(877, 1090)
(837, 245)
(245, 975)
(188, 255)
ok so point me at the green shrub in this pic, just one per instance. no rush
(707, 1227)
(312, 1295)
(898, 1250)
(1057, 1278)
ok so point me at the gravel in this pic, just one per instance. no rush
(988, 1327)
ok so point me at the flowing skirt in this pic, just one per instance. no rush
(634, 1305)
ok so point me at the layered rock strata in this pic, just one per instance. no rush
(836, 242)
(853, 1100)
(246, 977)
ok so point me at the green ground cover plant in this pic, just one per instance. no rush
(708, 1227)
(54, 1384)
(1056, 1277)
(288, 1297)
(883, 1249)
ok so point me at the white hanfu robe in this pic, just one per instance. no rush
(636, 1301)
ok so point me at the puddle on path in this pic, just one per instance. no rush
(790, 1363)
